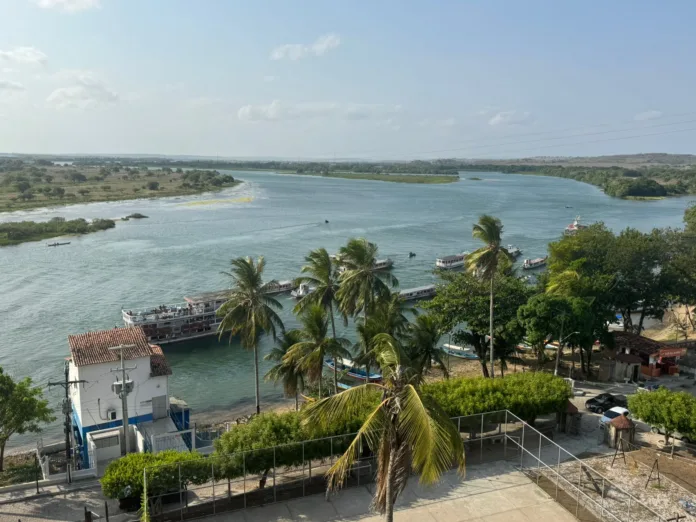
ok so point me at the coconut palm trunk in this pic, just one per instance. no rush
(491, 333)
(390, 485)
(335, 360)
(256, 379)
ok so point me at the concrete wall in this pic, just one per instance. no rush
(94, 398)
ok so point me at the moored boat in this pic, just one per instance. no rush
(531, 264)
(56, 244)
(421, 292)
(574, 227)
(278, 287)
(462, 352)
(302, 291)
(514, 251)
(349, 367)
(450, 262)
(380, 264)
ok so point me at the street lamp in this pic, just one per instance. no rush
(560, 349)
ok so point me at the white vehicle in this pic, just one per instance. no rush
(612, 414)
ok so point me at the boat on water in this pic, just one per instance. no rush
(195, 317)
(450, 262)
(462, 352)
(279, 287)
(421, 292)
(302, 291)
(531, 264)
(574, 227)
(380, 264)
(344, 386)
(351, 369)
(514, 251)
(56, 244)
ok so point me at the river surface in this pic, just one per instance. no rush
(49, 293)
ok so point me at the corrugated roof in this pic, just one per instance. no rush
(158, 362)
(93, 347)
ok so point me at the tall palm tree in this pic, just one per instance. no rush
(249, 310)
(424, 336)
(485, 260)
(407, 430)
(360, 284)
(314, 344)
(291, 377)
(321, 274)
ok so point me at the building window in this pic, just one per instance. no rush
(106, 442)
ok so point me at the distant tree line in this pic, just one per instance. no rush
(20, 231)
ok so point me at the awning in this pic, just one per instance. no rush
(672, 352)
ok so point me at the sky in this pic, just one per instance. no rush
(362, 79)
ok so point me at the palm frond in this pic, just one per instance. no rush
(343, 406)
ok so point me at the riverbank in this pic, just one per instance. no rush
(26, 186)
(17, 232)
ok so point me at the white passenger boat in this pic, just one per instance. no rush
(380, 264)
(574, 227)
(462, 352)
(302, 291)
(450, 262)
(514, 251)
(422, 292)
(278, 287)
(351, 369)
(531, 264)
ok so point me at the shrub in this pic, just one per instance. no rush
(152, 185)
(671, 411)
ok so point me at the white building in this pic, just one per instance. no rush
(97, 408)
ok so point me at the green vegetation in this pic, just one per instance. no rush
(15, 232)
(22, 410)
(671, 411)
(20, 469)
(28, 184)
(136, 215)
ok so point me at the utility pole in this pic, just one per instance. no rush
(67, 409)
(123, 391)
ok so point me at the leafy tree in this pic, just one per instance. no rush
(690, 218)
(464, 299)
(152, 185)
(287, 372)
(671, 411)
(77, 177)
(22, 409)
(23, 186)
(314, 345)
(249, 310)
(407, 431)
(485, 261)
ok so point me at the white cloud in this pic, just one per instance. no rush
(7, 85)
(7, 70)
(278, 111)
(24, 55)
(70, 6)
(269, 78)
(508, 118)
(87, 92)
(648, 115)
(320, 47)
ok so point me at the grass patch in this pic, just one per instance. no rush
(19, 469)
(644, 198)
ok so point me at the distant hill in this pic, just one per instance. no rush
(650, 159)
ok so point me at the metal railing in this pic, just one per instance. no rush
(219, 483)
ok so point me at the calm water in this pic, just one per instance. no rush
(49, 293)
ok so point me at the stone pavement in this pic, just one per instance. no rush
(492, 492)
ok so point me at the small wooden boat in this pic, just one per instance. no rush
(462, 352)
(58, 244)
(352, 370)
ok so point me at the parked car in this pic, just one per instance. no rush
(604, 402)
(649, 385)
(612, 413)
(688, 438)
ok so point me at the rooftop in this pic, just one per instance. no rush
(636, 343)
(219, 295)
(94, 347)
(158, 362)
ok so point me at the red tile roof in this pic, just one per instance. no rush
(93, 347)
(622, 422)
(636, 343)
(158, 362)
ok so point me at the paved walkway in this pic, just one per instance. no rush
(489, 493)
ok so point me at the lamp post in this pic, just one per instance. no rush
(561, 340)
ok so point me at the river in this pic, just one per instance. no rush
(49, 293)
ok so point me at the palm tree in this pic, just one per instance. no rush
(321, 274)
(407, 431)
(424, 335)
(485, 260)
(249, 310)
(360, 283)
(292, 378)
(314, 344)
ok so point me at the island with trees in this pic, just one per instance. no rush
(31, 183)
(16, 232)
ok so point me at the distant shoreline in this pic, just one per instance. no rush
(427, 179)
